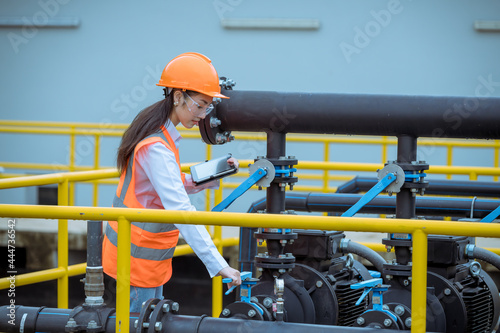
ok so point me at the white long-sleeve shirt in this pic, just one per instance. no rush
(157, 171)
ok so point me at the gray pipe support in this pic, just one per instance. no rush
(348, 246)
(474, 252)
(360, 114)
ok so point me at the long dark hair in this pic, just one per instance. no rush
(147, 122)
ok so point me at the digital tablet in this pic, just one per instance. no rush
(211, 170)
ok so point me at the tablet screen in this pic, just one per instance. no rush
(212, 169)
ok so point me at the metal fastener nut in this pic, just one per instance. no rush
(267, 302)
(360, 321)
(165, 308)
(385, 307)
(399, 310)
(226, 312)
(406, 282)
(251, 313)
(92, 324)
(408, 322)
(447, 292)
(158, 326)
(319, 284)
(175, 306)
(387, 322)
(136, 323)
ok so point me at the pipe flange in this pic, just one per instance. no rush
(211, 132)
(266, 165)
(142, 324)
(162, 308)
(395, 169)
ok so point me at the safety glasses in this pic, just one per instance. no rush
(202, 110)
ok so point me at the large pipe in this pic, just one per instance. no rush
(41, 319)
(382, 204)
(360, 114)
(190, 324)
(54, 321)
(441, 187)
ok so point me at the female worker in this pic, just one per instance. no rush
(148, 160)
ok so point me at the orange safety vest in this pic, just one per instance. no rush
(152, 244)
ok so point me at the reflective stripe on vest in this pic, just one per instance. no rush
(141, 252)
(152, 244)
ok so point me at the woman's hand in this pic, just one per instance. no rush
(231, 273)
(233, 162)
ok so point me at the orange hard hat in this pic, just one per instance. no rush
(192, 71)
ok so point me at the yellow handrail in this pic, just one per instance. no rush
(418, 228)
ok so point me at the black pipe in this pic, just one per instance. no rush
(382, 204)
(276, 148)
(485, 255)
(51, 320)
(41, 319)
(248, 250)
(348, 246)
(94, 243)
(94, 278)
(405, 199)
(189, 324)
(360, 114)
(436, 187)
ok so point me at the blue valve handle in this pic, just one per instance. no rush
(491, 216)
(375, 286)
(371, 194)
(246, 289)
(368, 285)
(244, 277)
(241, 189)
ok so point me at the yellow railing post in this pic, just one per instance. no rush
(62, 248)
(384, 149)
(326, 158)
(96, 166)
(449, 158)
(495, 157)
(217, 281)
(123, 276)
(72, 145)
(208, 156)
(419, 282)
